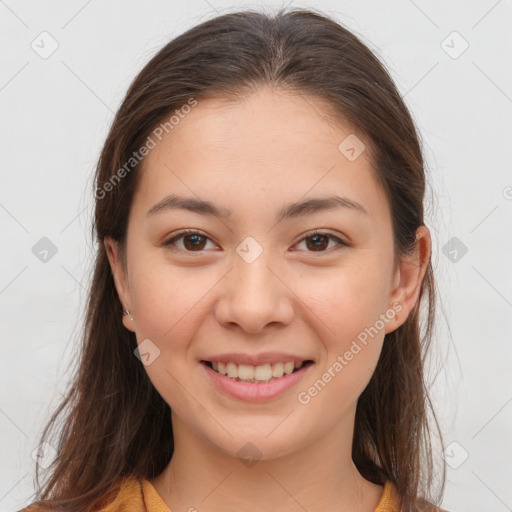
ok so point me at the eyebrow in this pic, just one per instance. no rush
(290, 211)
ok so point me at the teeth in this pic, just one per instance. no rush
(245, 372)
(232, 370)
(262, 373)
(277, 370)
(288, 367)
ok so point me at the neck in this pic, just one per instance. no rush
(317, 477)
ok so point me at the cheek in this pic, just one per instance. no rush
(349, 326)
(347, 300)
(169, 305)
(349, 309)
(168, 299)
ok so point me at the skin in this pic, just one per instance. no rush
(253, 157)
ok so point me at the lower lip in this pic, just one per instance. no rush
(253, 391)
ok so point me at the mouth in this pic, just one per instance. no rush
(263, 374)
(256, 383)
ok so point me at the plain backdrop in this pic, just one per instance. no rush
(64, 69)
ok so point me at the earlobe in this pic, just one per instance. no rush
(128, 321)
(409, 277)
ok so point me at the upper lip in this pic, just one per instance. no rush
(257, 359)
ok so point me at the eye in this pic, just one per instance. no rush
(320, 240)
(193, 241)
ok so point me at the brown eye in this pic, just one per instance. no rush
(193, 241)
(319, 242)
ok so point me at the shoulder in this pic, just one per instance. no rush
(129, 494)
(390, 500)
(134, 494)
(126, 495)
(36, 507)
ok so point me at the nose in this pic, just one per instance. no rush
(254, 295)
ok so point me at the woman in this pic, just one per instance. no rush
(253, 334)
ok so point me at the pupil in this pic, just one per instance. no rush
(318, 244)
(194, 245)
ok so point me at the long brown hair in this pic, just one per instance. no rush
(115, 422)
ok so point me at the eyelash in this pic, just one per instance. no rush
(170, 242)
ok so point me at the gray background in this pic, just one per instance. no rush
(55, 112)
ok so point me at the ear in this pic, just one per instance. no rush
(121, 280)
(408, 278)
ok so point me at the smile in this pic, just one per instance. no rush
(255, 383)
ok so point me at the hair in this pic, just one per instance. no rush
(115, 422)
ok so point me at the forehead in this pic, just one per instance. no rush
(257, 150)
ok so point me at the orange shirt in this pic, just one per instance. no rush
(138, 495)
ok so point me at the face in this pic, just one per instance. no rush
(253, 282)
